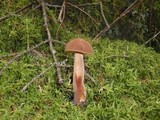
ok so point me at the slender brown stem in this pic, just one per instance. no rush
(78, 79)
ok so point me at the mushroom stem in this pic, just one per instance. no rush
(78, 79)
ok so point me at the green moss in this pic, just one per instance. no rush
(127, 86)
(127, 75)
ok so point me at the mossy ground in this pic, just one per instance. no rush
(127, 82)
(127, 76)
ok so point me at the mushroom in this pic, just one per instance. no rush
(79, 47)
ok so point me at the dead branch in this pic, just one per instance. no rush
(81, 5)
(82, 11)
(89, 76)
(61, 16)
(154, 36)
(18, 11)
(59, 42)
(105, 20)
(35, 78)
(14, 54)
(123, 56)
(128, 10)
(33, 9)
(17, 55)
(62, 12)
(42, 73)
(20, 54)
(55, 6)
(8, 55)
(60, 80)
(88, 4)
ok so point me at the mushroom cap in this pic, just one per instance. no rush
(79, 45)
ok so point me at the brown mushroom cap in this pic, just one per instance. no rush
(79, 45)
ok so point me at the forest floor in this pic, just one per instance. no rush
(126, 85)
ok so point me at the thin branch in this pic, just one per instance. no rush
(17, 55)
(50, 42)
(61, 16)
(82, 11)
(105, 20)
(88, 4)
(42, 73)
(89, 76)
(35, 78)
(62, 12)
(128, 10)
(124, 56)
(14, 54)
(55, 6)
(81, 5)
(33, 9)
(154, 36)
(59, 42)
(20, 54)
(8, 55)
(18, 11)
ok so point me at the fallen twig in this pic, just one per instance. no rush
(81, 5)
(62, 12)
(82, 11)
(20, 10)
(35, 78)
(128, 10)
(105, 20)
(89, 76)
(55, 6)
(14, 54)
(88, 4)
(60, 80)
(20, 54)
(61, 16)
(8, 55)
(57, 41)
(154, 36)
(123, 56)
(42, 73)
(33, 9)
